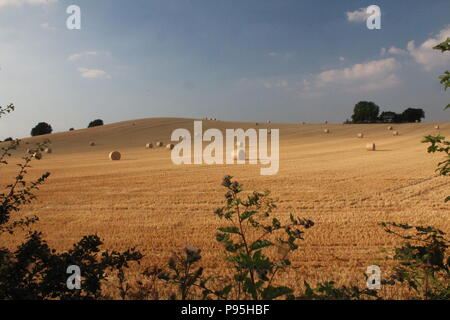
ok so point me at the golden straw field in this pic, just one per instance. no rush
(145, 201)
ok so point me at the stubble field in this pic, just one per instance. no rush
(146, 201)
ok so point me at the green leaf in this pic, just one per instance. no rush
(230, 230)
(247, 214)
(271, 293)
(259, 244)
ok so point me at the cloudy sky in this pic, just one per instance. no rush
(286, 60)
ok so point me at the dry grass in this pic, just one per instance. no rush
(146, 201)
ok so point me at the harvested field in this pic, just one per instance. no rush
(146, 201)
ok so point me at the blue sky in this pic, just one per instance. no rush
(243, 60)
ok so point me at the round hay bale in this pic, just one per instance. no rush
(92, 143)
(159, 144)
(390, 128)
(395, 133)
(268, 121)
(370, 147)
(115, 155)
(170, 146)
(37, 155)
(269, 131)
(48, 150)
(360, 135)
(436, 127)
(149, 145)
(326, 131)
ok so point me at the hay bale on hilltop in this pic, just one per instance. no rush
(390, 128)
(48, 150)
(326, 130)
(436, 127)
(395, 133)
(170, 146)
(159, 144)
(149, 145)
(115, 156)
(360, 135)
(370, 146)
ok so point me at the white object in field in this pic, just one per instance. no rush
(370, 147)
(159, 144)
(170, 146)
(92, 143)
(395, 133)
(48, 150)
(115, 155)
(360, 135)
(149, 145)
(326, 131)
(390, 128)
(37, 155)
(436, 127)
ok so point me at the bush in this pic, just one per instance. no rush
(41, 128)
(8, 139)
(424, 264)
(71, 129)
(34, 270)
(95, 123)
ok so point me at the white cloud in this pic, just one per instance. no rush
(47, 26)
(342, 59)
(359, 15)
(94, 73)
(397, 51)
(84, 54)
(360, 71)
(285, 55)
(5, 3)
(426, 55)
(280, 83)
(388, 82)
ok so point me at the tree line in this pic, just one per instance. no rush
(369, 112)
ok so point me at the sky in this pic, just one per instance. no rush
(237, 60)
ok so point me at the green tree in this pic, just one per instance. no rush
(365, 112)
(95, 123)
(41, 128)
(413, 115)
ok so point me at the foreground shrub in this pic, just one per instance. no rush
(424, 262)
(34, 270)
